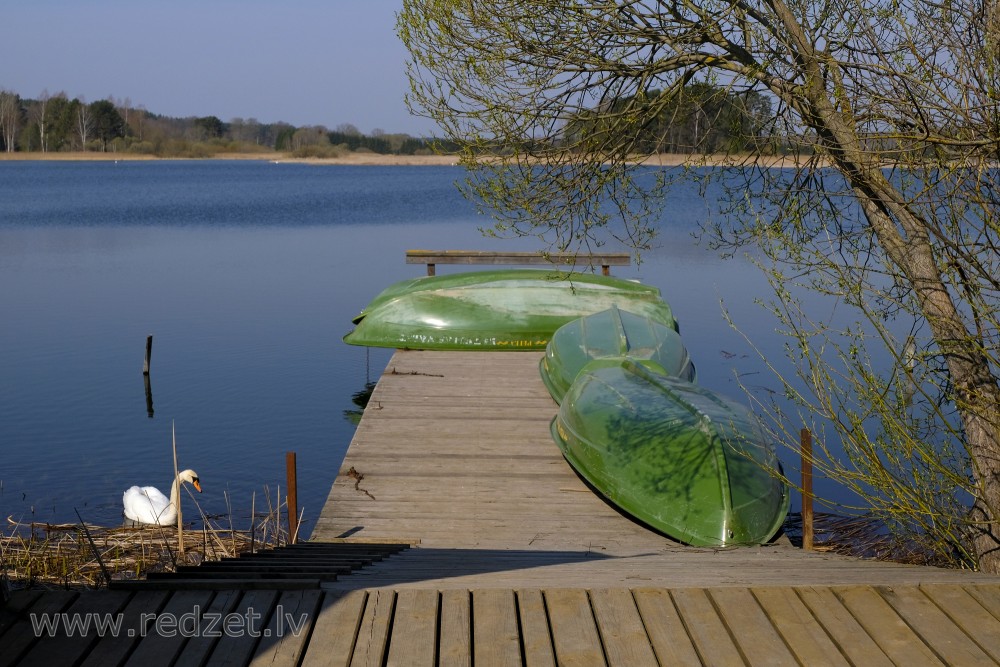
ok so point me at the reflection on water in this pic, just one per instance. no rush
(248, 275)
(360, 399)
(149, 395)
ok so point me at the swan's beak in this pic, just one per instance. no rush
(197, 484)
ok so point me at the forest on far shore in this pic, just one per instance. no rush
(57, 123)
(703, 119)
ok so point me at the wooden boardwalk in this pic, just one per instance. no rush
(514, 561)
(933, 624)
(454, 453)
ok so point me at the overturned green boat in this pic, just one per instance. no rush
(517, 309)
(606, 337)
(675, 456)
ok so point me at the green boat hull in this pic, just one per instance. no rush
(495, 310)
(611, 335)
(675, 456)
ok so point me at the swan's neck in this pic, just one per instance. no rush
(175, 490)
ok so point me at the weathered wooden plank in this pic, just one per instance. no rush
(162, 647)
(574, 631)
(421, 489)
(751, 628)
(16, 608)
(987, 596)
(884, 625)
(495, 636)
(414, 629)
(283, 641)
(843, 628)
(443, 510)
(946, 639)
(664, 627)
(451, 413)
(22, 633)
(198, 648)
(373, 635)
(804, 635)
(455, 389)
(535, 635)
(69, 643)
(335, 629)
(243, 627)
(400, 489)
(512, 258)
(455, 644)
(968, 614)
(706, 629)
(139, 620)
(622, 632)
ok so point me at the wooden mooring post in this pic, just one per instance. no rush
(293, 503)
(807, 489)
(149, 353)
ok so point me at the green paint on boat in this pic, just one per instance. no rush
(676, 456)
(611, 335)
(517, 309)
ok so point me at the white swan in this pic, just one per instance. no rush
(146, 504)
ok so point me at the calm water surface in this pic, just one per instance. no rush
(247, 275)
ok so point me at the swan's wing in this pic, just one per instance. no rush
(145, 504)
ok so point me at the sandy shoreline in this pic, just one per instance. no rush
(376, 159)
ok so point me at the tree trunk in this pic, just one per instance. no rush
(905, 239)
(976, 392)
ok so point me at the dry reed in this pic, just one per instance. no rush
(74, 555)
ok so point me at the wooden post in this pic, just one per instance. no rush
(431, 269)
(807, 489)
(180, 518)
(149, 395)
(149, 353)
(293, 510)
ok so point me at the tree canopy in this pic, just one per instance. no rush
(892, 108)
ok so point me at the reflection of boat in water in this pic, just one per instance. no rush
(673, 455)
(516, 309)
(610, 335)
(360, 399)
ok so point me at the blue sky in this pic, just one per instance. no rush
(305, 62)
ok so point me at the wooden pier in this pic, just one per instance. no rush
(513, 560)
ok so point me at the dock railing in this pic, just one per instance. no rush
(564, 259)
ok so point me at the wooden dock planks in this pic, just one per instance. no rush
(859, 625)
(454, 451)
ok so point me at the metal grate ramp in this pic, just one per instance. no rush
(297, 566)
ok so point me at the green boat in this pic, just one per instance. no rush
(606, 337)
(673, 455)
(516, 309)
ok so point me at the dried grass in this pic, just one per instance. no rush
(861, 537)
(78, 555)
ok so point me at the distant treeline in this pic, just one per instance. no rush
(54, 123)
(702, 118)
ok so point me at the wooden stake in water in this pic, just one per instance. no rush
(807, 490)
(149, 353)
(180, 519)
(293, 513)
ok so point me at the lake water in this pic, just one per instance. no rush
(247, 275)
